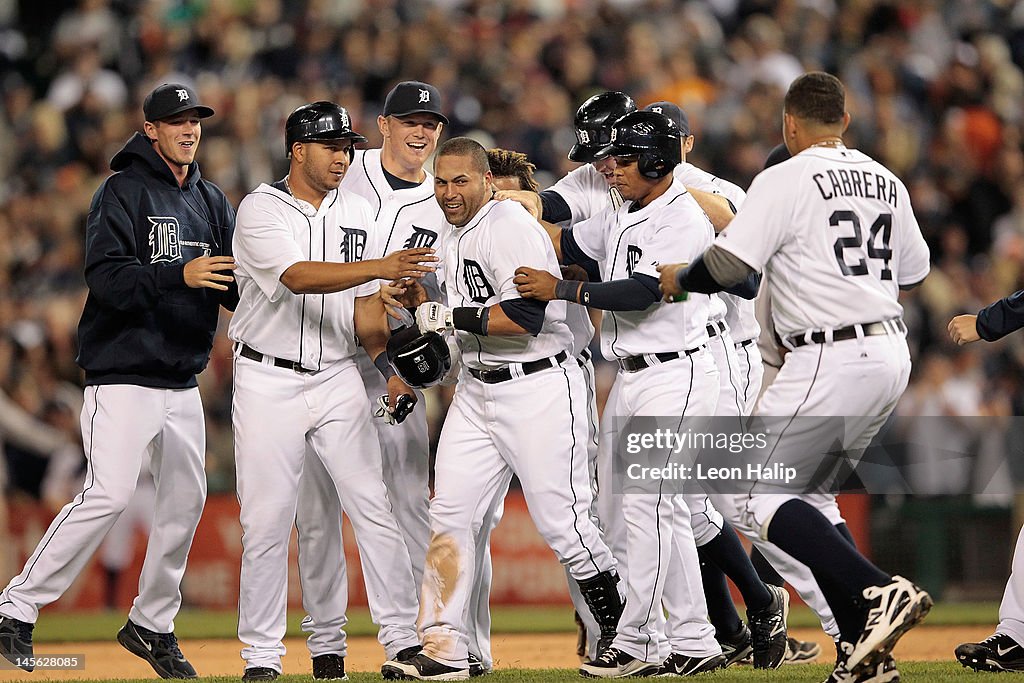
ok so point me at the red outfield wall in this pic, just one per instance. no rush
(525, 570)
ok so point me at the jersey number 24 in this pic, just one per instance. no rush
(877, 244)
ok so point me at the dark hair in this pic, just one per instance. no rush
(817, 96)
(505, 163)
(465, 147)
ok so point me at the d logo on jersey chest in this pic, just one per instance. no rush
(479, 288)
(420, 238)
(352, 244)
(633, 255)
(164, 246)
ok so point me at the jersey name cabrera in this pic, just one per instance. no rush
(838, 237)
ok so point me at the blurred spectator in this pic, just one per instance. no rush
(936, 89)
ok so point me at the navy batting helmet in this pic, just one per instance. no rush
(651, 137)
(420, 359)
(319, 121)
(593, 123)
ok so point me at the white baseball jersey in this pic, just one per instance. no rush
(586, 192)
(739, 313)
(482, 258)
(671, 229)
(837, 236)
(407, 218)
(275, 234)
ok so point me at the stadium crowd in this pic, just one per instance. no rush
(935, 88)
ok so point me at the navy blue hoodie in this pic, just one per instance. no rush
(142, 324)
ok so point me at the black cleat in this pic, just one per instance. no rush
(476, 667)
(768, 630)
(329, 668)
(614, 663)
(259, 674)
(998, 652)
(159, 649)
(737, 648)
(679, 664)
(801, 651)
(421, 667)
(16, 642)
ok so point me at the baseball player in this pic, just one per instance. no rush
(659, 219)
(513, 171)
(836, 233)
(516, 411)
(401, 197)
(305, 298)
(1002, 651)
(579, 195)
(158, 266)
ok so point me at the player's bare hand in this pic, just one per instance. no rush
(406, 263)
(212, 272)
(529, 200)
(575, 272)
(390, 294)
(535, 284)
(963, 329)
(667, 280)
(401, 399)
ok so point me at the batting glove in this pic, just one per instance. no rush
(393, 417)
(433, 317)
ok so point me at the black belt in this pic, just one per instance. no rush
(716, 327)
(637, 363)
(584, 357)
(741, 344)
(252, 354)
(893, 326)
(505, 374)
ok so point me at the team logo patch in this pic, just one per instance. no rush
(657, 110)
(163, 239)
(420, 238)
(424, 95)
(633, 255)
(182, 95)
(583, 136)
(344, 119)
(480, 289)
(352, 244)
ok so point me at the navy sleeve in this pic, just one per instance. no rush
(697, 278)
(635, 293)
(554, 208)
(573, 254)
(1001, 318)
(748, 288)
(228, 299)
(113, 271)
(527, 313)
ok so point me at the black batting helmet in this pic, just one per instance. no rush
(593, 123)
(319, 121)
(420, 359)
(651, 137)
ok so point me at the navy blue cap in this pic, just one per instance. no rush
(414, 97)
(169, 99)
(672, 111)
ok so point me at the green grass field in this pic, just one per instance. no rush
(934, 672)
(56, 627)
(192, 624)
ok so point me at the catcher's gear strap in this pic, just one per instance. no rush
(635, 293)
(527, 313)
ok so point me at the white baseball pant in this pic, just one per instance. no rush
(276, 414)
(120, 424)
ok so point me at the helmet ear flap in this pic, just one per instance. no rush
(651, 165)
